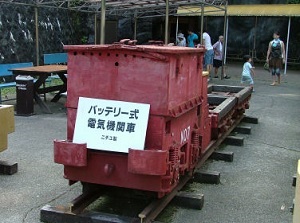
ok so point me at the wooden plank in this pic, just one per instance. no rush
(234, 141)
(59, 214)
(46, 69)
(243, 129)
(250, 119)
(227, 88)
(221, 155)
(8, 168)
(208, 177)
(189, 200)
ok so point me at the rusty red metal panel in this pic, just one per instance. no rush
(111, 169)
(149, 162)
(71, 114)
(205, 127)
(70, 154)
(160, 76)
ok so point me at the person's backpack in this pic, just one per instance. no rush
(276, 49)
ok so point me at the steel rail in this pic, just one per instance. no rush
(155, 208)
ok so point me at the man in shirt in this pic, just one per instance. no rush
(192, 37)
(218, 57)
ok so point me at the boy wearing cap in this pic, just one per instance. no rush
(180, 40)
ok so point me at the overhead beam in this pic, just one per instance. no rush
(123, 8)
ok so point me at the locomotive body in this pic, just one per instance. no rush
(179, 131)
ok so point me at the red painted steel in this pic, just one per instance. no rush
(180, 124)
(70, 154)
(170, 80)
(148, 162)
(164, 77)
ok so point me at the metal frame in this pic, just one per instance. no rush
(119, 8)
(139, 8)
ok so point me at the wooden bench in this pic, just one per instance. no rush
(6, 77)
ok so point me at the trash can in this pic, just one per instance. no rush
(24, 89)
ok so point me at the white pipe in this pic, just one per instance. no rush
(37, 46)
(202, 24)
(95, 28)
(167, 23)
(226, 40)
(176, 30)
(287, 46)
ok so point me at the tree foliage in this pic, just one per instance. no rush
(293, 1)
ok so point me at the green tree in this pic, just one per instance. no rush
(293, 1)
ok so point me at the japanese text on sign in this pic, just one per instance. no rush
(111, 125)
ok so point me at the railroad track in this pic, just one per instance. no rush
(76, 210)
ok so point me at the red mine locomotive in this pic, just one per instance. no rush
(186, 116)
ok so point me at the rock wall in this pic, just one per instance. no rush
(58, 27)
(55, 28)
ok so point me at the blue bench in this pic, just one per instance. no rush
(6, 77)
(55, 58)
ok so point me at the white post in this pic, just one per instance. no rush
(287, 46)
(167, 23)
(226, 40)
(176, 30)
(37, 46)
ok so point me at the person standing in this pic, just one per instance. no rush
(192, 37)
(209, 53)
(275, 57)
(248, 72)
(180, 41)
(218, 57)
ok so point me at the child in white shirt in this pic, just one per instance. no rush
(248, 72)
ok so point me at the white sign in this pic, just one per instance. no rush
(111, 125)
